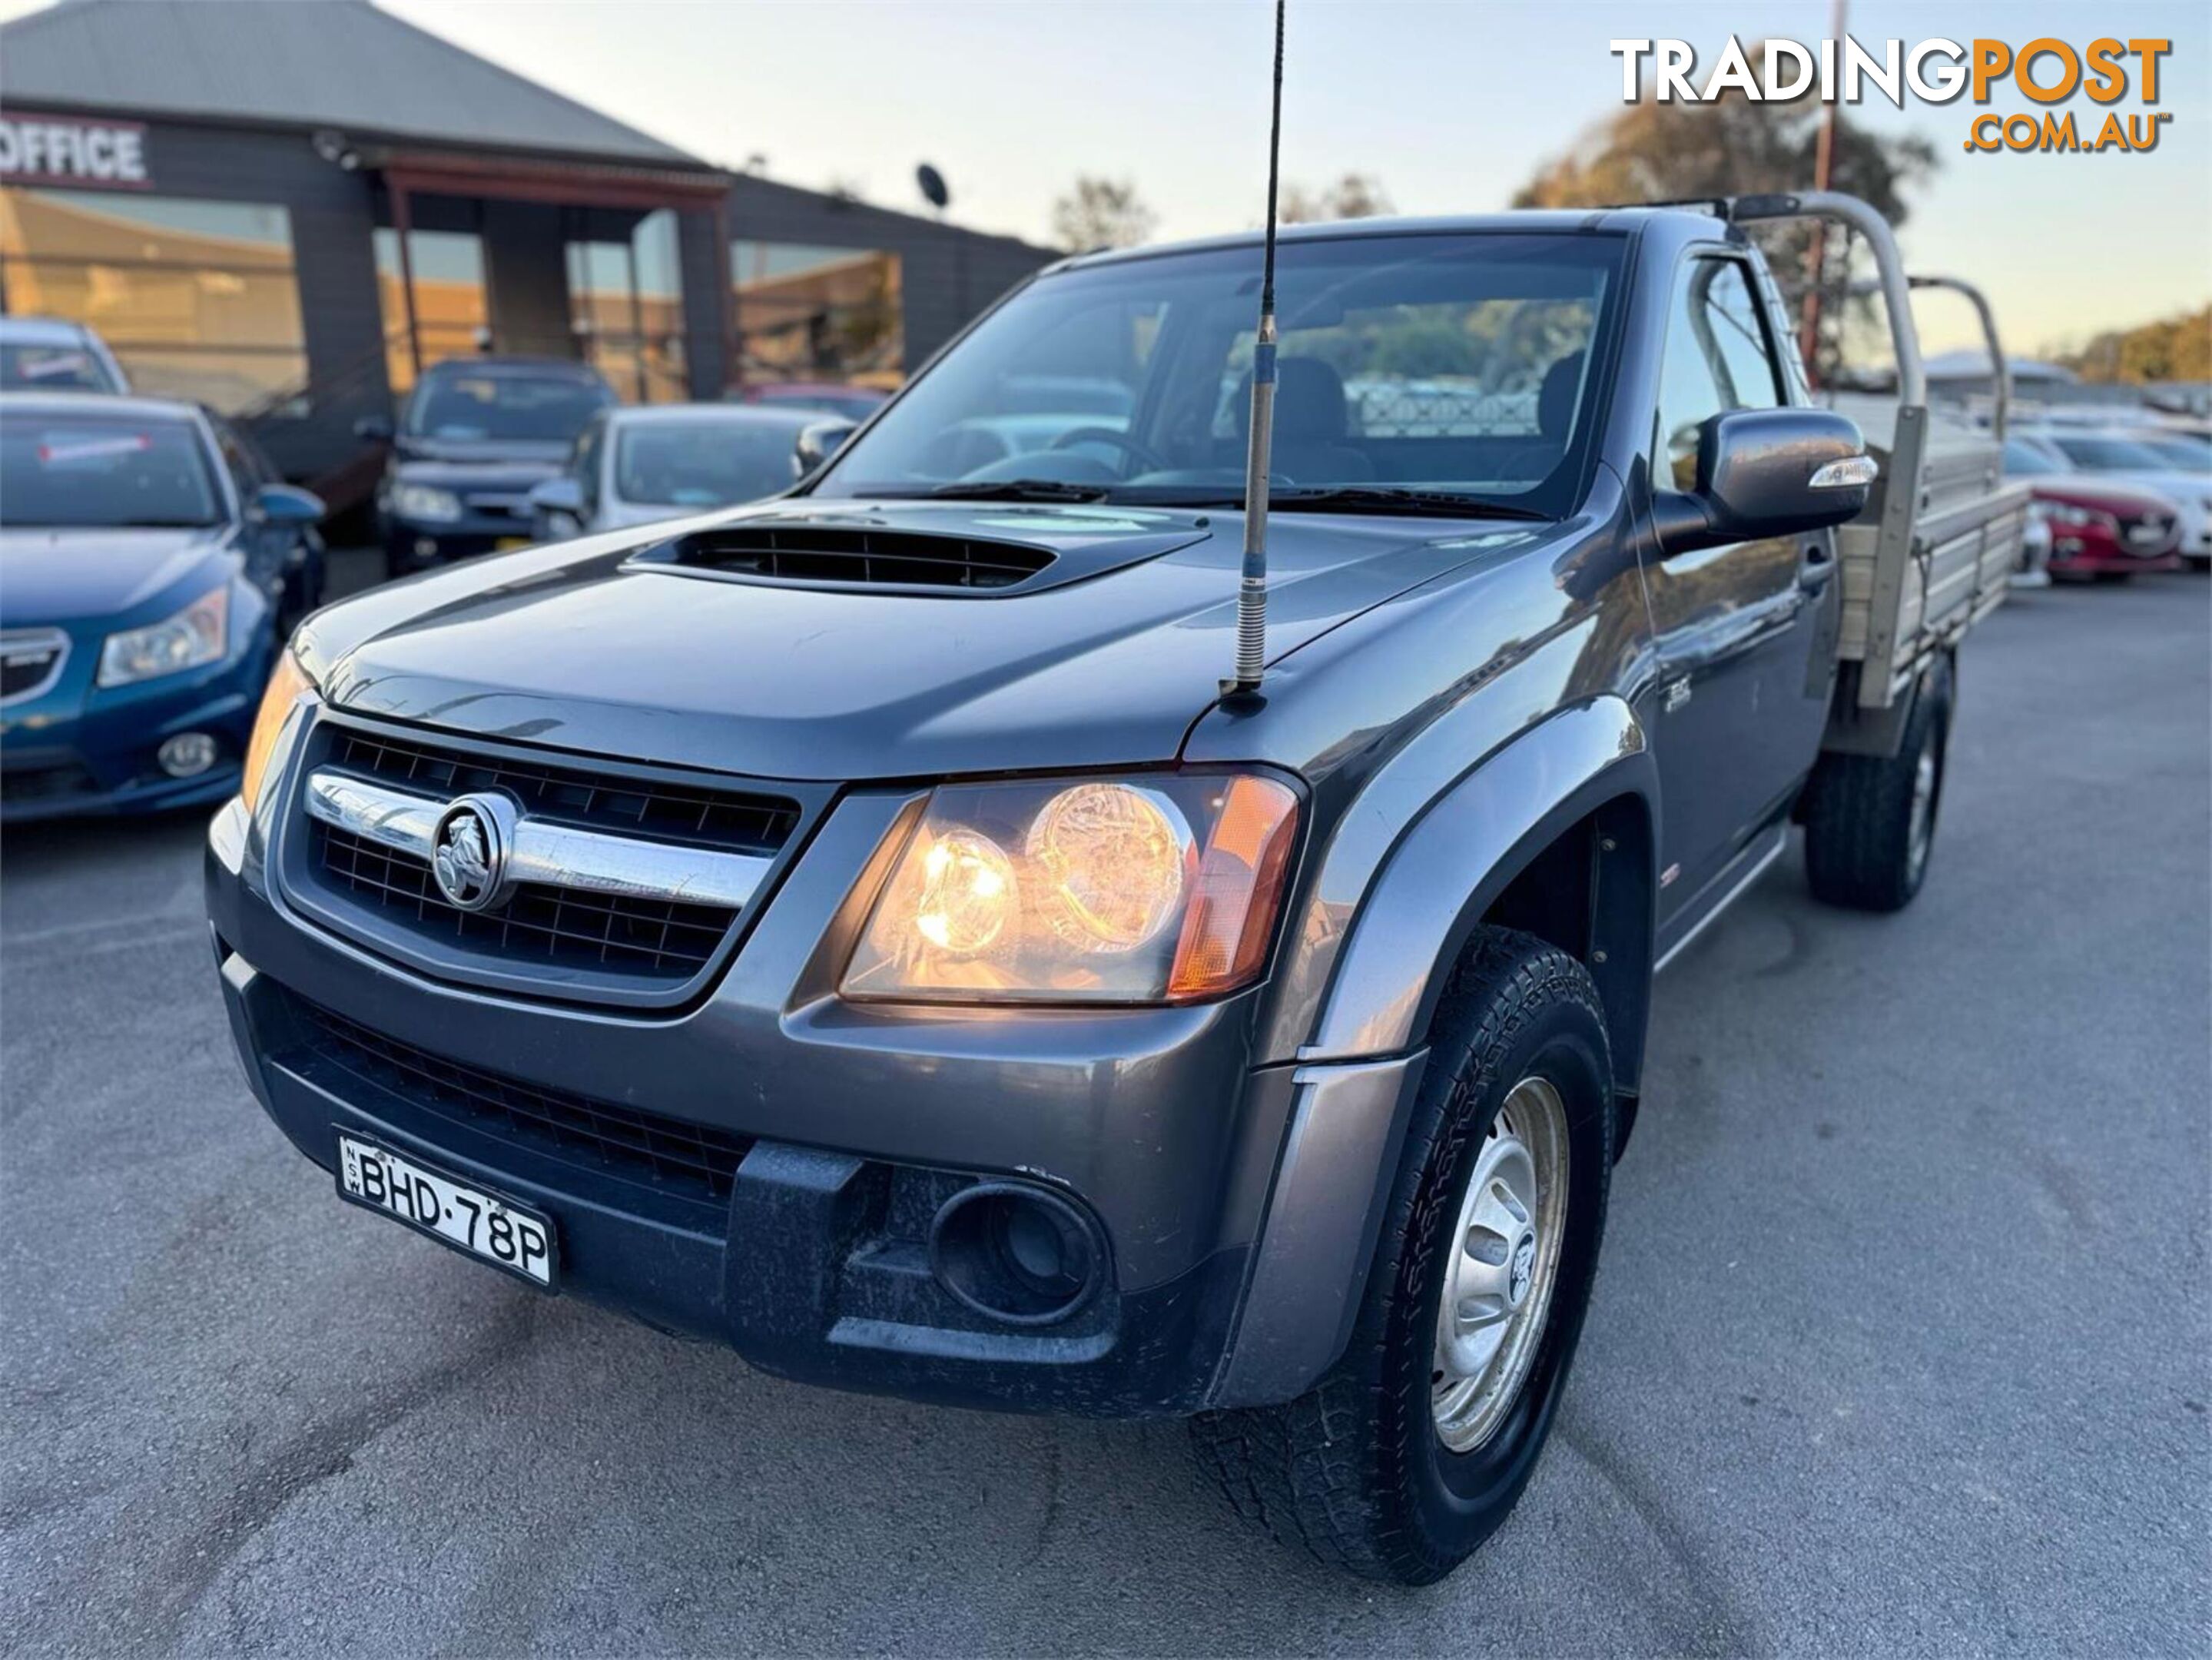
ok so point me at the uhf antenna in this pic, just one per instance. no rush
(1251, 589)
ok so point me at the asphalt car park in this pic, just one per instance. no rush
(1900, 1342)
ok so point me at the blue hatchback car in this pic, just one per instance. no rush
(149, 562)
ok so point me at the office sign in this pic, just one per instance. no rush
(76, 151)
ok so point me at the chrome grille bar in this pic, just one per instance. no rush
(43, 650)
(545, 854)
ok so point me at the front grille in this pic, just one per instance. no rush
(813, 553)
(565, 928)
(500, 505)
(695, 1159)
(576, 795)
(2151, 532)
(45, 783)
(29, 661)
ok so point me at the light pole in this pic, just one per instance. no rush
(1824, 162)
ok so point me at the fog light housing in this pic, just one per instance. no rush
(1020, 1255)
(187, 755)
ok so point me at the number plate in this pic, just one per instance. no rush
(509, 543)
(497, 1230)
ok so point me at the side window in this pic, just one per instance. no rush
(585, 464)
(1718, 358)
(244, 467)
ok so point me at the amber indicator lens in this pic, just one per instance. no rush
(286, 682)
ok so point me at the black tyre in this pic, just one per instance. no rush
(1412, 1451)
(1870, 820)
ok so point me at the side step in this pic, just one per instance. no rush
(1724, 890)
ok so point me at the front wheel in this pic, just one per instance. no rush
(1870, 820)
(1414, 1448)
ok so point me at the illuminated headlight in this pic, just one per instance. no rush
(287, 681)
(1121, 891)
(197, 635)
(426, 502)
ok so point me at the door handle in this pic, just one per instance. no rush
(1816, 567)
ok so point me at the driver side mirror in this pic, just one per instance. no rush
(558, 495)
(287, 504)
(1766, 472)
(818, 442)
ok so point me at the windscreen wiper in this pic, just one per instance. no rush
(1395, 498)
(1006, 490)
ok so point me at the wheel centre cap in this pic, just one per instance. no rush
(1523, 1268)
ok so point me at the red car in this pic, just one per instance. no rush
(2099, 527)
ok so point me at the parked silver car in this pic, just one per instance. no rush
(44, 354)
(635, 466)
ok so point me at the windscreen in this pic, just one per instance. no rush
(74, 471)
(1463, 363)
(2182, 453)
(26, 366)
(518, 408)
(2108, 454)
(2024, 460)
(701, 464)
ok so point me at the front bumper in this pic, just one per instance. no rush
(411, 546)
(78, 751)
(2093, 562)
(856, 1124)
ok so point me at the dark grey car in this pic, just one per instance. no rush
(858, 928)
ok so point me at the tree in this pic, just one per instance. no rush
(1100, 213)
(1733, 146)
(1355, 196)
(2171, 348)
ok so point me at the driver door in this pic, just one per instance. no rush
(1744, 667)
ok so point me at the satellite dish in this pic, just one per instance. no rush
(934, 188)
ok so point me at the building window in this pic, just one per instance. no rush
(626, 305)
(199, 300)
(818, 313)
(451, 315)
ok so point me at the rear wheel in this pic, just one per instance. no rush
(1870, 820)
(1416, 1446)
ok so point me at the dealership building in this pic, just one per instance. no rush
(288, 211)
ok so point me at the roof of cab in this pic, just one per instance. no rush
(99, 405)
(42, 332)
(782, 416)
(1552, 220)
(492, 363)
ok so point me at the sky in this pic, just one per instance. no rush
(1451, 105)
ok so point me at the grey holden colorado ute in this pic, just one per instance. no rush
(860, 928)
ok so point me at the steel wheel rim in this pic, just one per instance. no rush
(1923, 806)
(1505, 1262)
